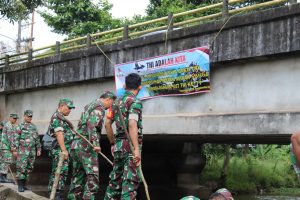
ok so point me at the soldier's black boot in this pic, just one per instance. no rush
(1, 178)
(21, 185)
(5, 180)
(58, 195)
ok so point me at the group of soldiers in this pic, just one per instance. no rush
(80, 148)
(19, 144)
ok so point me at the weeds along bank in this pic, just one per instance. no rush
(256, 169)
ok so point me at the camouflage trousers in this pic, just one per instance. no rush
(25, 161)
(85, 176)
(124, 178)
(54, 154)
(6, 159)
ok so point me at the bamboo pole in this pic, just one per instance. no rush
(57, 175)
(12, 175)
(82, 137)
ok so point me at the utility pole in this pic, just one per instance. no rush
(31, 32)
(18, 45)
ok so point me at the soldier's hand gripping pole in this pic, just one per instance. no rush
(132, 149)
(57, 175)
(82, 137)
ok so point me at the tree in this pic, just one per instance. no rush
(79, 17)
(14, 10)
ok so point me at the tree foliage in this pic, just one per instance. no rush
(14, 10)
(161, 8)
(79, 17)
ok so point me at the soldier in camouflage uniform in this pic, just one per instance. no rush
(85, 176)
(124, 178)
(28, 144)
(8, 148)
(1, 128)
(60, 128)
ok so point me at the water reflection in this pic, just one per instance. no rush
(248, 197)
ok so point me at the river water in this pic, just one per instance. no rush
(257, 197)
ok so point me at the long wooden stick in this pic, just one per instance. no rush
(82, 137)
(57, 175)
(131, 148)
(12, 175)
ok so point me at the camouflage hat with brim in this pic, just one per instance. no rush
(190, 198)
(108, 94)
(67, 101)
(225, 193)
(28, 113)
(2, 123)
(14, 115)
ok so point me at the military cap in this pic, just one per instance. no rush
(190, 198)
(28, 113)
(225, 193)
(67, 101)
(14, 115)
(108, 94)
(2, 123)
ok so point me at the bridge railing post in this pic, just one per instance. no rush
(126, 32)
(88, 41)
(57, 48)
(6, 60)
(30, 52)
(225, 13)
(170, 21)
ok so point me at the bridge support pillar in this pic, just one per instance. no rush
(3, 114)
(189, 166)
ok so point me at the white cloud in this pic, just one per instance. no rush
(128, 8)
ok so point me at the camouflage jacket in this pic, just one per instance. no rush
(90, 125)
(29, 136)
(129, 104)
(9, 134)
(58, 123)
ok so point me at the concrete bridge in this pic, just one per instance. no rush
(254, 80)
(254, 98)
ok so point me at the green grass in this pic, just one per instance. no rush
(269, 170)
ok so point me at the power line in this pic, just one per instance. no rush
(7, 37)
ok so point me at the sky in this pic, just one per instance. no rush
(43, 35)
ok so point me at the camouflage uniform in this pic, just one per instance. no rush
(8, 136)
(58, 123)
(124, 178)
(28, 144)
(85, 176)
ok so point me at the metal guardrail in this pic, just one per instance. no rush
(139, 29)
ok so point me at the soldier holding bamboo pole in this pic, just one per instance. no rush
(61, 129)
(85, 176)
(124, 178)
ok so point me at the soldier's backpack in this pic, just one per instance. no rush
(49, 142)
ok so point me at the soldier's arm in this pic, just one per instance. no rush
(109, 131)
(134, 111)
(61, 141)
(58, 132)
(37, 142)
(295, 140)
(94, 126)
(14, 138)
